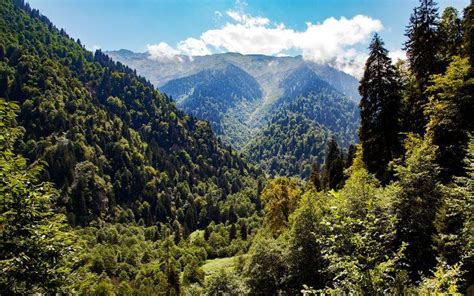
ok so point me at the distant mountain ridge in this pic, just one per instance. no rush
(115, 147)
(223, 96)
(243, 96)
(267, 70)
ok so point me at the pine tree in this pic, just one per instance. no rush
(333, 172)
(380, 105)
(315, 178)
(423, 41)
(423, 53)
(450, 32)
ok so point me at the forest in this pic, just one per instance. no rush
(107, 188)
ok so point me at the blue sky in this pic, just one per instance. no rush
(160, 25)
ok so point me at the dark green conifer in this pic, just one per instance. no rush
(423, 41)
(333, 172)
(380, 104)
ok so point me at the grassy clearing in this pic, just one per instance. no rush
(215, 265)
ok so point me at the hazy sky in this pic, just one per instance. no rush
(334, 31)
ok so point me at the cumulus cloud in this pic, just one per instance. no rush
(161, 50)
(398, 54)
(333, 41)
(193, 47)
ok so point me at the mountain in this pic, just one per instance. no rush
(241, 95)
(304, 118)
(269, 71)
(238, 94)
(115, 146)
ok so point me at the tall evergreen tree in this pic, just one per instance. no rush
(423, 41)
(450, 32)
(333, 172)
(423, 48)
(315, 178)
(380, 104)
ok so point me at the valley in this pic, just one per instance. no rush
(243, 96)
(222, 173)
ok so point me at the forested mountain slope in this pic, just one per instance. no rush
(110, 140)
(267, 70)
(242, 95)
(307, 114)
(159, 207)
(223, 96)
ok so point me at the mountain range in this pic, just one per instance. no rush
(113, 144)
(255, 102)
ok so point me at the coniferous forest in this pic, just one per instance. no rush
(107, 188)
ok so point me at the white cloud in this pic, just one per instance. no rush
(397, 54)
(333, 41)
(248, 20)
(193, 47)
(161, 50)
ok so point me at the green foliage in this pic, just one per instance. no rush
(267, 268)
(450, 32)
(360, 237)
(423, 41)
(225, 283)
(448, 124)
(468, 34)
(108, 137)
(424, 60)
(333, 169)
(455, 220)
(380, 106)
(295, 136)
(33, 238)
(445, 281)
(418, 196)
(281, 197)
(315, 178)
(155, 195)
(126, 257)
(307, 265)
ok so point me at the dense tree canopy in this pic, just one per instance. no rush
(108, 137)
(157, 205)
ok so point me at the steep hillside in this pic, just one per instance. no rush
(269, 71)
(115, 146)
(242, 96)
(305, 116)
(225, 97)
